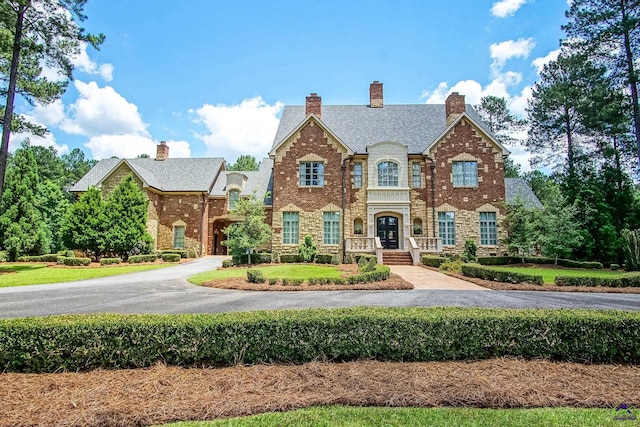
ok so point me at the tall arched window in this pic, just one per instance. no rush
(387, 174)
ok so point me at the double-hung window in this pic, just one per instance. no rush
(465, 174)
(415, 175)
(357, 175)
(331, 229)
(387, 174)
(290, 225)
(311, 174)
(488, 229)
(178, 236)
(447, 228)
(234, 196)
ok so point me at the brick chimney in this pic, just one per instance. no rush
(375, 95)
(314, 105)
(162, 151)
(454, 106)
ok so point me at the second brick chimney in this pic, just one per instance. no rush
(162, 151)
(314, 105)
(375, 95)
(454, 106)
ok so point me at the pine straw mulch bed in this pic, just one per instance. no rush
(393, 283)
(162, 394)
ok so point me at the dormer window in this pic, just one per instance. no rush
(311, 174)
(387, 174)
(234, 196)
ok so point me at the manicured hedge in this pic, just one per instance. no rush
(110, 261)
(76, 262)
(500, 276)
(289, 258)
(257, 258)
(70, 343)
(620, 282)
(506, 260)
(184, 253)
(499, 260)
(170, 257)
(433, 261)
(255, 276)
(327, 259)
(380, 273)
(39, 258)
(136, 259)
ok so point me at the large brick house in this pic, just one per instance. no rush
(357, 178)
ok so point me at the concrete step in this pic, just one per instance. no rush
(397, 258)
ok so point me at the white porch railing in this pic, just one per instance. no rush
(414, 250)
(379, 250)
(428, 244)
(360, 244)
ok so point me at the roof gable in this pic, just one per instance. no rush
(311, 117)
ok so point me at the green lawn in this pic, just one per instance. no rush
(282, 271)
(36, 273)
(549, 274)
(441, 417)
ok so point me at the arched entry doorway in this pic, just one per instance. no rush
(387, 228)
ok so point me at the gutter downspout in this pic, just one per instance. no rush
(344, 171)
(433, 198)
(203, 248)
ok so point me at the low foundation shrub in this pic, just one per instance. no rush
(4, 256)
(184, 253)
(226, 263)
(170, 257)
(499, 260)
(255, 276)
(39, 258)
(76, 262)
(479, 272)
(614, 267)
(619, 282)
(453, 265)
(433, 261)
(289, 258)
(324, 258)
(257, 258)
(379, 274)
(72, 343)
(110, 261)
(136, 259)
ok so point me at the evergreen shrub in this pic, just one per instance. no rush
(255, 276)
(289, 258)
(168, 257)
(77, 262)
(479, 272)
(110, 261)
(619, 282)
(433, 261)
(136, 259)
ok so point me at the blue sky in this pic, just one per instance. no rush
(211, 77)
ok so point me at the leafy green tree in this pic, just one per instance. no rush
(502, 122)
(559, 230)
(76, 165)
(50, 166)
(126, 216)
(37, 32)
(307, 250)
(245, 163)
(53, 206)
(608, 32)
(252, 231)
(21, 226)
(85, 224)
(520, 222)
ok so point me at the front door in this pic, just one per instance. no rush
(387, 231)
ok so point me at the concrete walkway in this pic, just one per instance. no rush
(423, 278)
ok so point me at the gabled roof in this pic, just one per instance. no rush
(182, 175)
(299, 126)
(260, 181)
(475, 120)
(517, 188)
(417, 125)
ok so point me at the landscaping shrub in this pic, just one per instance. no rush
(500, 276)
(226, 263)
(499, 260)
(339, 281)
(255, 276)
(184, 253)
(76, 262)
(614, 267)
(433, 261)
(72, 343)
(289, 258)
(136, 259)
(367, 264)
(324, 259)
(379, 274)
(67, 253)
(256, 258)
(39, 258)
(273, 281)
(454, 266)
(4, 256)
(168, 257)
(619, 282)
(470, 250)
(110, 261)
(296, 282)
(307, 250)
(358, 257)
(51, 257)
(632, 250)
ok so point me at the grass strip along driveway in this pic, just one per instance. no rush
(22, 274)
(549, 274)
(287, 271)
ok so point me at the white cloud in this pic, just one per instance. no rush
(43, 115)
(504, 8)
(246, 128)
(539, 63)
(472, 90)
(83, 63)
(48, 140)
(124, 146)
(503, 51)
(177, 149)
(102, 111)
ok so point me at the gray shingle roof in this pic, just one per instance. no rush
(260, 181)
(166, 175)
(416, 125)
(515, 188)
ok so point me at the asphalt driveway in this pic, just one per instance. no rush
(167, 291)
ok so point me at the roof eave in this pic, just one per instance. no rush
(453, 124)
(303, 123)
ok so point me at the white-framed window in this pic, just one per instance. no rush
(357, 175)
(416, 178)
(488, 229)
(331, 229)
(387, 174)
(234, 196)
(311, 174)
(447, 228)
(178, 236)
(465, 174)
(290, 227)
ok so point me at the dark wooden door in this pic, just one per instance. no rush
(387, 231)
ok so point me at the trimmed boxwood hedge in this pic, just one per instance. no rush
(479, 272)
(433, 261)
(506, 260)
(620, 282)
(39, 258)
(257, 258)
(378, 274)
(170, 257)
(289, 258)
(110, 261)
(184, 253)
(76, 262)
(71, 343)
(136, 259)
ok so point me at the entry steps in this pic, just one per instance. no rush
(396, 258)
